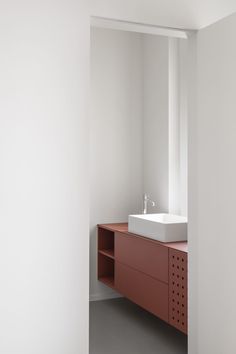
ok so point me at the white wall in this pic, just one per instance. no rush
(115, 135)
(183, 97)
(165, 123)
(192, 198)
(212, 188)
(155, 120)
(44, 66)
(178, 92)
(174, 127)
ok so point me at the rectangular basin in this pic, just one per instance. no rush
(160, 227)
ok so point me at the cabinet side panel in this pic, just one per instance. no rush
(178, 282)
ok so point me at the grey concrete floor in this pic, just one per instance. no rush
(120, 327)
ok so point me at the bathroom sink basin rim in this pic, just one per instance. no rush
(162, 227)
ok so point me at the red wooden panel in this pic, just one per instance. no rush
(178, 292)
(140, 254)
(109, 253)
(145, 291)
(118, 227)
(109, 281)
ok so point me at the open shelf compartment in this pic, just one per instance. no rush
(106, 242)
(106, 270)
(106, 256)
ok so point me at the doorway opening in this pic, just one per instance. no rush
(138, 144)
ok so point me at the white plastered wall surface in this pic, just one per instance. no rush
(115, 135)
(212, 192)
(44, 70)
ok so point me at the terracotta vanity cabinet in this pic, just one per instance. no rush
(149, 273)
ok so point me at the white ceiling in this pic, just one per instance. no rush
(185, 14)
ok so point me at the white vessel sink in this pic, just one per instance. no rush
(161, 227)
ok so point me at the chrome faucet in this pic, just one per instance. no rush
(146, 199)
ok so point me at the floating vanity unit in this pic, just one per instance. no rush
(148, 272)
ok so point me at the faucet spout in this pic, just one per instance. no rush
(146, 199)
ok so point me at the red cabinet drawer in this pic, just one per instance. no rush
(145, 291)
(143, 255)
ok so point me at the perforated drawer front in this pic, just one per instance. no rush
(178, 315)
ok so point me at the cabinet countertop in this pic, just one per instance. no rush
(123, 228)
